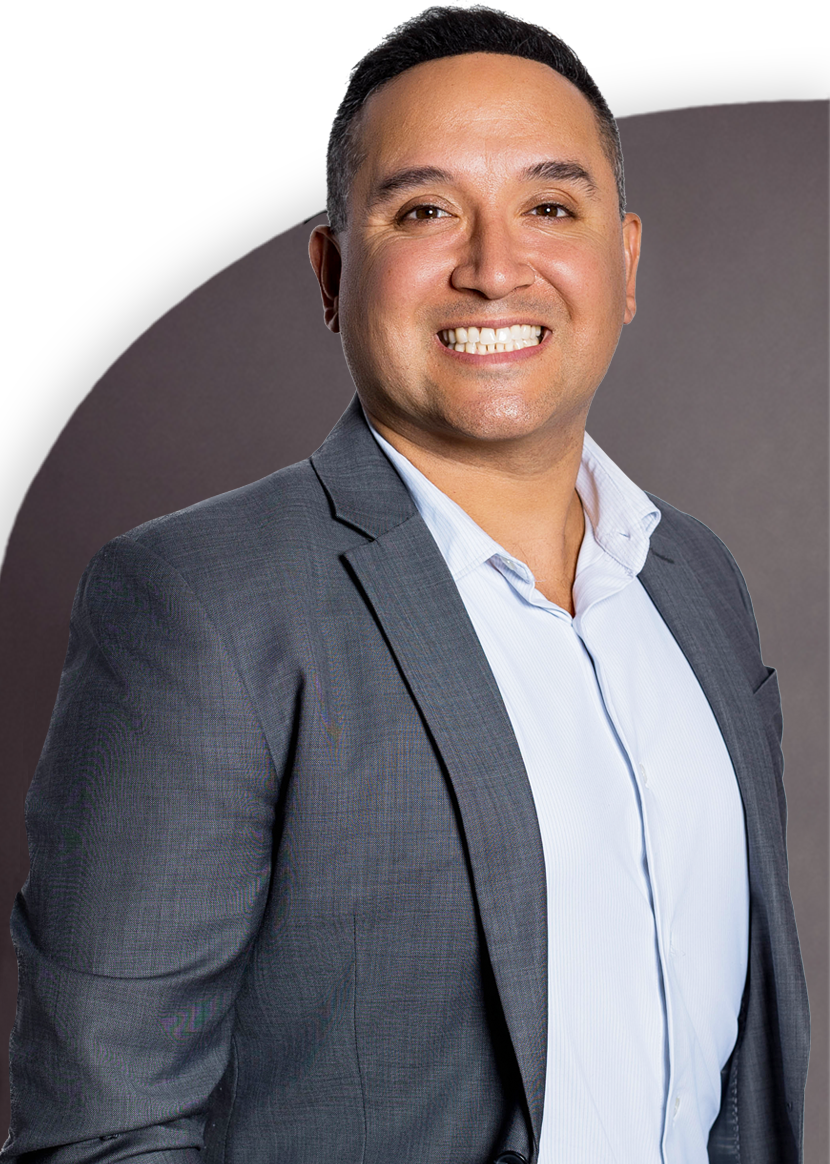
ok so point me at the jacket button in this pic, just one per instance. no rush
(510, 1158)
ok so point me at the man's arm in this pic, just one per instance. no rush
(150, 826)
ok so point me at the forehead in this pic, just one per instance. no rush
(486, 103)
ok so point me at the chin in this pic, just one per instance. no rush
(500, 414)
(495, 420)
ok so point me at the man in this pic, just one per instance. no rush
(423, 801)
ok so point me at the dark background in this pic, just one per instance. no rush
(716, 401)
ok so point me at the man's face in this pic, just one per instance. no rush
(484, 200)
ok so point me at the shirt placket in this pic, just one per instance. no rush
(657, 888)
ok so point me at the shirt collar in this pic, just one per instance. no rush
(622, 516)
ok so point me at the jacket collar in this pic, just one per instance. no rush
(364, 490)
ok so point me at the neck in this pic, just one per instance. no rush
(524, 499)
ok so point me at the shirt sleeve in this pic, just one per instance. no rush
(150, 821)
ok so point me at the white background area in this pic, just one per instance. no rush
(145, 146)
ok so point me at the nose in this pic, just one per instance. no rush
(493, 261)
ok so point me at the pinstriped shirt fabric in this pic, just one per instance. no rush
(641, 824)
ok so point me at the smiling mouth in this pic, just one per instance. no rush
(483, 341)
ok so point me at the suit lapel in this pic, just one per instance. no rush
(775, 996)
(676, 592)
(406, 581)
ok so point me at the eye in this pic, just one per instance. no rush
(425, 213)
(550, 210)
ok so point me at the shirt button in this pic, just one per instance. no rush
(676, 1105)
(644, 774)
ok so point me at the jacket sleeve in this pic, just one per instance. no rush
(150, 822)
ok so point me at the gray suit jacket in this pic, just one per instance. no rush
(287, 893)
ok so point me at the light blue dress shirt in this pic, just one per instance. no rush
(641, 822)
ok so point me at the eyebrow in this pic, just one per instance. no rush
(551, 171)
(406, 180)
(560, 172)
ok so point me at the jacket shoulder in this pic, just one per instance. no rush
(288, 498)
(268, 550)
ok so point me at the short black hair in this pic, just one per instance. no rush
(449, 32)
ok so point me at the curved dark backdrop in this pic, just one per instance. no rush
(716, 401)
(637, 72)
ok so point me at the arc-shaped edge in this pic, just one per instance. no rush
(64, 370)
(639, 73)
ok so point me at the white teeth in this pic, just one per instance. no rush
(485, 340)
(476, 335)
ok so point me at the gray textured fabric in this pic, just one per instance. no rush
(287, 894)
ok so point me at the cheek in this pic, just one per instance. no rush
(381, 297)
(396, 283)
(591, 282)
(367, 299)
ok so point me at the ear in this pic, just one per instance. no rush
(632, 231)
(324, 253)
